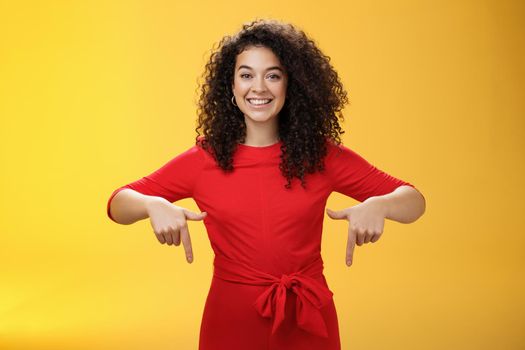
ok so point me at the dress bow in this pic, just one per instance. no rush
(312, 295)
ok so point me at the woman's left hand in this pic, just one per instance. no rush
(367, 220)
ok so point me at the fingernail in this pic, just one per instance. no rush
(190, 259)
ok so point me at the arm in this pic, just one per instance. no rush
(382, 195)
(129, 206)
(405, 204)
(173, 181)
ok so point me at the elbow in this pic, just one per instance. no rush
(111, 213)
(419, 208)
(115, 217)
(422, 204)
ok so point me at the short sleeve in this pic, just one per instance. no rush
(354, 176)
(173, 181)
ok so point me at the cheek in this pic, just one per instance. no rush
(239, 86)
(282, 90)
(243, 82)
(278, 91)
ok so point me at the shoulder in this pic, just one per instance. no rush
(340, 156)
(335, 150)
(205, 148)
(197, 149)
(191, 156)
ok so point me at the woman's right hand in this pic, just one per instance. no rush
(169, 223)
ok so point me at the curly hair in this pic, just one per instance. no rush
(309, 117)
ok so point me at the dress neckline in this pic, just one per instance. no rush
(259, 152)
(260, 148)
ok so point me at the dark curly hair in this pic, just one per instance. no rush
(309, 117)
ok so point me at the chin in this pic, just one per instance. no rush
(260, 117)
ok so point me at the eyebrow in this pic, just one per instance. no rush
(270, 68)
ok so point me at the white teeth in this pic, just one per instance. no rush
(258, 102)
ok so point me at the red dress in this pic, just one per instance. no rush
(268, 290)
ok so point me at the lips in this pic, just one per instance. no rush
(259, 101)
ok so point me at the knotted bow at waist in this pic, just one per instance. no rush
(312, 295)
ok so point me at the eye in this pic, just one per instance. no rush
(243, 75)
(274, 76)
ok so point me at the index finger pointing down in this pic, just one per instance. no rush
(350, 245)
(186, 242)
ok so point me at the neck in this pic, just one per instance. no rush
(261, 134)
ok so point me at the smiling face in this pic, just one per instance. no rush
(259, 84)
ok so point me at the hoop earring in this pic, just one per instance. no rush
(233, 101)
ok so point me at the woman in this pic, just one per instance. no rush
(261, 174)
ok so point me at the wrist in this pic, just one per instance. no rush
(152, 201)
(380, 203)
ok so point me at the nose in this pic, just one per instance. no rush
(259, 85)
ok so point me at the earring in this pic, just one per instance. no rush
(233, 101)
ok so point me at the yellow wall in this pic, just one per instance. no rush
(95, 94)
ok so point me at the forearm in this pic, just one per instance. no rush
(405, 204)
(129, 206)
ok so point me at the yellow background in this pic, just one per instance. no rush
(96, 94)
